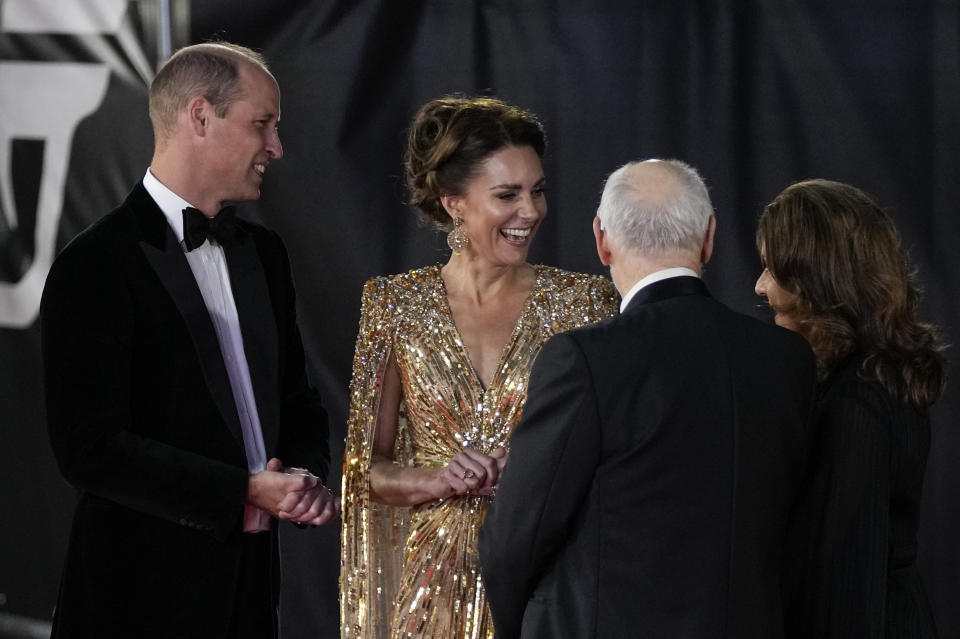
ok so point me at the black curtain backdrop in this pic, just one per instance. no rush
(754, 94)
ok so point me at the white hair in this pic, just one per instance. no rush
(654, 216)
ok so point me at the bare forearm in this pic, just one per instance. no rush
(396, 485)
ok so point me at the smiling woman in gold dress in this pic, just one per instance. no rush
(440, 374)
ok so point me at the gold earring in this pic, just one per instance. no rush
(457, 239)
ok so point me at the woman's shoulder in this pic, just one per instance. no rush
(400, 288)
(412, 280)
(584, 296)
(850, 386)
(852, 405)
(850, 376)
(573, 282)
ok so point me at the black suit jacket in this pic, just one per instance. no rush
(650, 479)
(143, 422)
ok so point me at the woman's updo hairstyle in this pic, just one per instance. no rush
(449, 139)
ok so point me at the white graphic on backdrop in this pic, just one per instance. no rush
(49, 101)
(57, 16)
(45, 101)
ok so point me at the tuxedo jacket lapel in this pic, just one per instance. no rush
(259, 330)
(165, 256)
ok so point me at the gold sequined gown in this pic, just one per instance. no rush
(414, 572)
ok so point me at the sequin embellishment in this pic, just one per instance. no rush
(415, 572)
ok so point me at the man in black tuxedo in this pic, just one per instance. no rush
(651, 476)
(175, 377)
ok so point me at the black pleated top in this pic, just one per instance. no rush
(851, 560)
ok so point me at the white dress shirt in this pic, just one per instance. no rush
(209, 266)
(656, 276)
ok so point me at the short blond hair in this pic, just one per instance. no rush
(210, 70)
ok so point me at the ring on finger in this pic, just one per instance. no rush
(469, 474)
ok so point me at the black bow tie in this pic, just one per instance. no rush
(197, 227)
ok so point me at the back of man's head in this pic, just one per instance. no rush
(210, 70)
(655, 207)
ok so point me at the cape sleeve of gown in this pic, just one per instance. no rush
(373, 535)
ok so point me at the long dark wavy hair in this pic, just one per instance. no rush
(835, 249)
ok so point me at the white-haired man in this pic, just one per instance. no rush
(651, 477)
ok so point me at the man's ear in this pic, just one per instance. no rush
(706, 251)
(603, 241)
(199, 112)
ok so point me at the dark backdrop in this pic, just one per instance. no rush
(755, 94)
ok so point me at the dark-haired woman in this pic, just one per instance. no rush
(835, 273)
(440, 373)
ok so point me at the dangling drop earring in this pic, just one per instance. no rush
(457, 239)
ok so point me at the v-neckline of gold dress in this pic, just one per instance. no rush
(525, 309)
